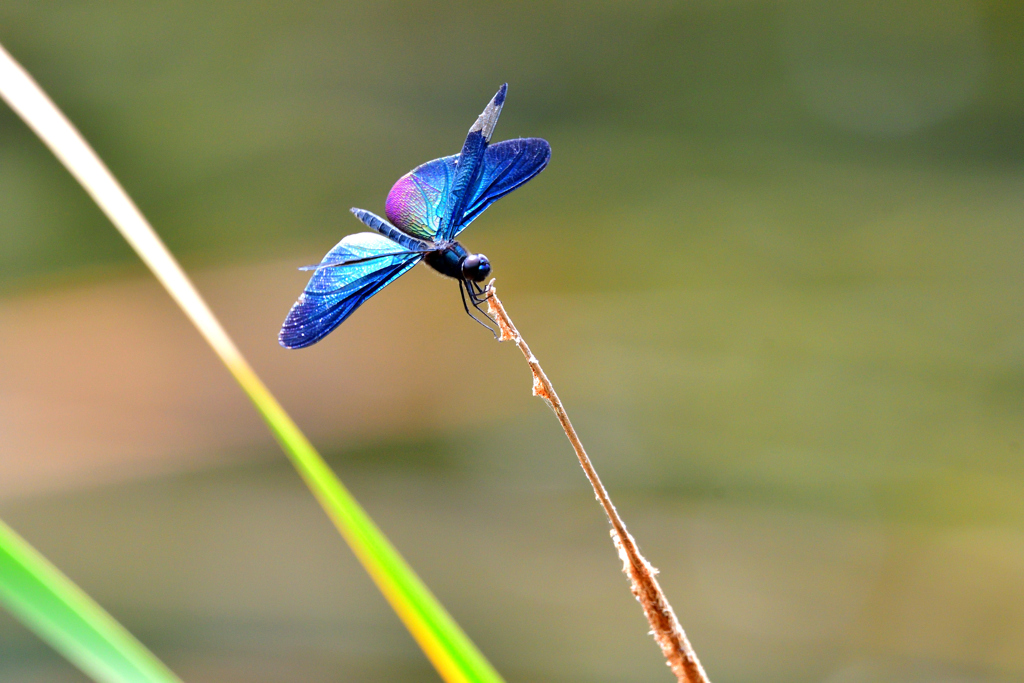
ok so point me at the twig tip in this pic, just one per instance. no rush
(497, 311)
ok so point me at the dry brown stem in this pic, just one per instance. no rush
(664, 626)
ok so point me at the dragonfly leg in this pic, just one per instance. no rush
(462, 293)
(473, 289)
(478, 295)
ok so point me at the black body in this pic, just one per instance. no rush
(448, 260)
(452, 259)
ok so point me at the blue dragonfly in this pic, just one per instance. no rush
(426, 210)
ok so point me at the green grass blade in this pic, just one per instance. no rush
(445, 644)
(59, 612)
(448, 648)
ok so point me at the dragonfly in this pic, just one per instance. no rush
(426, 210)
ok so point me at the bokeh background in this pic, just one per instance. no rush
(773, 269)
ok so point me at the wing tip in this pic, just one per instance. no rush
(546, 145)
(292, 339)
(488, 119)
(294, 333)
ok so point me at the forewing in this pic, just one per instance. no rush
(437, 200)
(417, 203)
(470, 164)
(506, 166)
(338, 288)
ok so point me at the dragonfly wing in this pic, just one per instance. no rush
(437, 200)
(338, 287)
(417, 203)
(506, 166)
(470, 164)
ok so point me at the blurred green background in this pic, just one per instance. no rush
(773, 270)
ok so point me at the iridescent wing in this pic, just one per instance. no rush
(424, 201)
(416, 204)
(506, 166)
(357, 268)
(471, 163)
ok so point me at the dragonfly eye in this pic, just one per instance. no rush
(476, 267)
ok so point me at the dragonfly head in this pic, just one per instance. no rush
(476, 267)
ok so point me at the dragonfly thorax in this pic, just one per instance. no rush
(454, 261)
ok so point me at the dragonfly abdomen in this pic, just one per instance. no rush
(373, 221)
